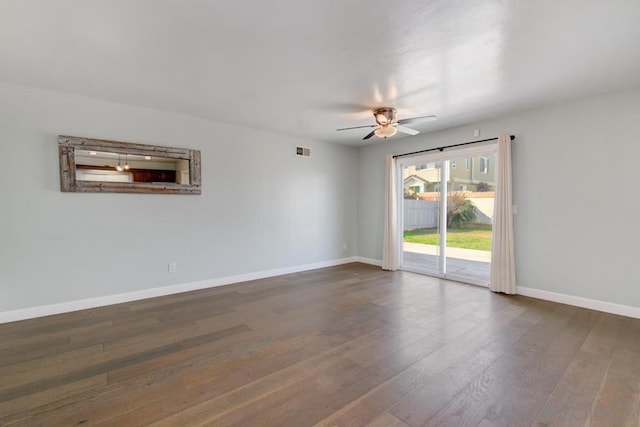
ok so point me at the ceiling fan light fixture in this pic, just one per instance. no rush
(386, 131)
(381, 119)
(386, 124)
(385, 115)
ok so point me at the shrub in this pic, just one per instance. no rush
(482, 187)
(460, 210)
(410, 194)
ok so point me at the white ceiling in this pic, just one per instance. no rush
(308, 67)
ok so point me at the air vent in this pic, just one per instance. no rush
(303, 152)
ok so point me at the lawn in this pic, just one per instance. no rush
(471, 237)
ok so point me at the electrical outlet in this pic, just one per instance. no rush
(476, 132)
(173, 267)
(344, 246)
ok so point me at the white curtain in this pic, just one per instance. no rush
(391, 248)
(503, 267)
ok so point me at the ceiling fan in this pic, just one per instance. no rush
(387, 125)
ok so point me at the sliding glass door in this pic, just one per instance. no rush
(421, 246)
(447, 212)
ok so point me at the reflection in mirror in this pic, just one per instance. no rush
(117, 167)
(97, 165)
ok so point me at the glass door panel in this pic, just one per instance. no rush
(469, 210)
(421, 246)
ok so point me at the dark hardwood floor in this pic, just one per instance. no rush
(343, 346)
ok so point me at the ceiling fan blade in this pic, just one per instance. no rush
(407, 130)
(416, 119)
(373, 132)
(358, 127)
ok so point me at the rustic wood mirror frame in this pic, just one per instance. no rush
(67, 146)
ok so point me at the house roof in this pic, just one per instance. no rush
(416, 178)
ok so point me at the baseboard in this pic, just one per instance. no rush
(607, 307)
(66, 307)
(370, 261)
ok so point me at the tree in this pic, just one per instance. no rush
(410, 194)
(460, 210)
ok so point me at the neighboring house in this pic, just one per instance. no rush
(472, 174)
(421, 178)
(416, 184)
(465, 174)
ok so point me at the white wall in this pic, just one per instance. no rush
(262, 208)
(576, 179)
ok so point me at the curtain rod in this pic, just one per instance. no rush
(448, 146)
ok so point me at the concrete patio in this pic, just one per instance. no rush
(462, 263)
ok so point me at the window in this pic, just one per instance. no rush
(420, 167)
(453, 164)
(461, 187)
(484, 165)
(436, 188)
(467, 163)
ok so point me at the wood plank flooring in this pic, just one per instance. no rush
(343, 346)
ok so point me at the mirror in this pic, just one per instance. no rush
(117, 167)
(93, 165)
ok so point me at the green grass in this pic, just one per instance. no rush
(471, 237)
